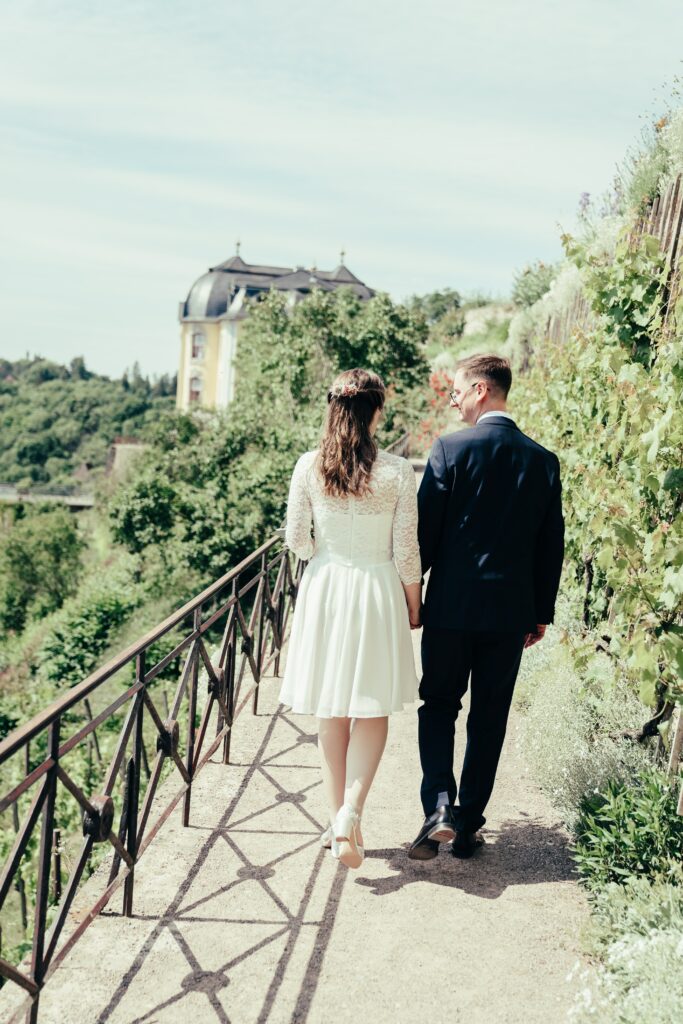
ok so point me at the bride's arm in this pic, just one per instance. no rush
(299, 513)
(406, 550)
(413, 592)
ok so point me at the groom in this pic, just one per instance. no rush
(492, 533)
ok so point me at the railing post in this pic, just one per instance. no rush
(230, 689)
(57, 864)
(280, 624)
(133, 780)
(43, 877)
(261, 617)
(19, 881)
(192, 705)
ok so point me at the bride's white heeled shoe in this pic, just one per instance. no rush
(344, 834)
(326, 838)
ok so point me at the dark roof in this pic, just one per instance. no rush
(237, 265)
(302, 280)
(210, 296)
(342, 273)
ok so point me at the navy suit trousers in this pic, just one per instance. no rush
(450, 659)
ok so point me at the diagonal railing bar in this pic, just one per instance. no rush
(207, 662)
(182, 685)
(94, 813)
(268, 581)
(74, 740)
(67, 899)
(215, 616)
(120, 750)
(150, 793)
(247, 642)
(12, 973)
(21, 841)
(227, 632)
(153, 672)
(38, 773)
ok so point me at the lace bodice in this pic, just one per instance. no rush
(377, 527)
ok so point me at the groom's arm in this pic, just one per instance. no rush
(432, 501)
(549, 554)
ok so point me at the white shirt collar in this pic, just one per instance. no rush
(494, 412)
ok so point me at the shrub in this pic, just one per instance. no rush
(638, 907)
(531, 283)
(40, 562)
(629, 830)
(84, 630)
(672, 141)
(569, 721)
(648, 170)
(641, 982)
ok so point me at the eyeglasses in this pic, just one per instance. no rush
(454, 397)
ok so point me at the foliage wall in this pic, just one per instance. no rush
(608, 400)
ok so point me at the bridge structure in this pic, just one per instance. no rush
(11, 495)
(195, 885)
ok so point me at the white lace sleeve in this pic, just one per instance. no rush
(406, 549)
(299, 513)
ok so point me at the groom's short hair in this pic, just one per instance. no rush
(495, 370)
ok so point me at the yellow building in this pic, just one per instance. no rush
(213, 310)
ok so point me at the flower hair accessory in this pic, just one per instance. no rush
(343, 390)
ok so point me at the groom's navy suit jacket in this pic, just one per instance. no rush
(490, 529)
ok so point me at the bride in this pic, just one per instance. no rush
(350, 658)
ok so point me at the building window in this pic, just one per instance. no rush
(195, 389)
(198, 344)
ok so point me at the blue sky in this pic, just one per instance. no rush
(441, 144)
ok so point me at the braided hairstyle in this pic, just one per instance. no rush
(347, 449)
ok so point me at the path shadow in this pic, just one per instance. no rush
(285, 923)
(518, 853)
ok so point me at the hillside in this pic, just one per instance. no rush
(58, 422)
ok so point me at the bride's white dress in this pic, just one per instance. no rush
(350, 652)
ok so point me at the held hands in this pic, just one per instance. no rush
(532, 638)
(415, 616)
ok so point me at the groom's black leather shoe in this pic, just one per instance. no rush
(438, 828)
(465, 843)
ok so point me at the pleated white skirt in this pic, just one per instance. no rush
(350, 653)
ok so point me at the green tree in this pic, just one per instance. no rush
(40, 562)
(436, 305)
(531, 283)
(143, 512)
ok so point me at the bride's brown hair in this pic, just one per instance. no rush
(348, 450)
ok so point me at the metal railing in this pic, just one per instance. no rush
(253, 639)
(247, 610)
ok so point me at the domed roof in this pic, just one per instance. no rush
(211, 295)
